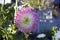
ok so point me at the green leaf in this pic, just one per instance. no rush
(10, 37)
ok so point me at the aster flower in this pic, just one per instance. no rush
(26, 20)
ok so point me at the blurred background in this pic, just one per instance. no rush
(49, 17)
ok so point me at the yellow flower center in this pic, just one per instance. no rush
(26, 20)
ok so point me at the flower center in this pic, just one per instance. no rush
(26, 20)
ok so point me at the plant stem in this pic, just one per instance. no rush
(16, 9)
(2, 5)
(6, 37)
(26, 36)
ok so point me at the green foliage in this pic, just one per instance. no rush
(7, 27)
(6, 19)
(54, 29)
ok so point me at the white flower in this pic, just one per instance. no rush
(57, 35)
(9, 30)
(10, 25)
(41, 36)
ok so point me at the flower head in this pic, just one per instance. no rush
(26, 20)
